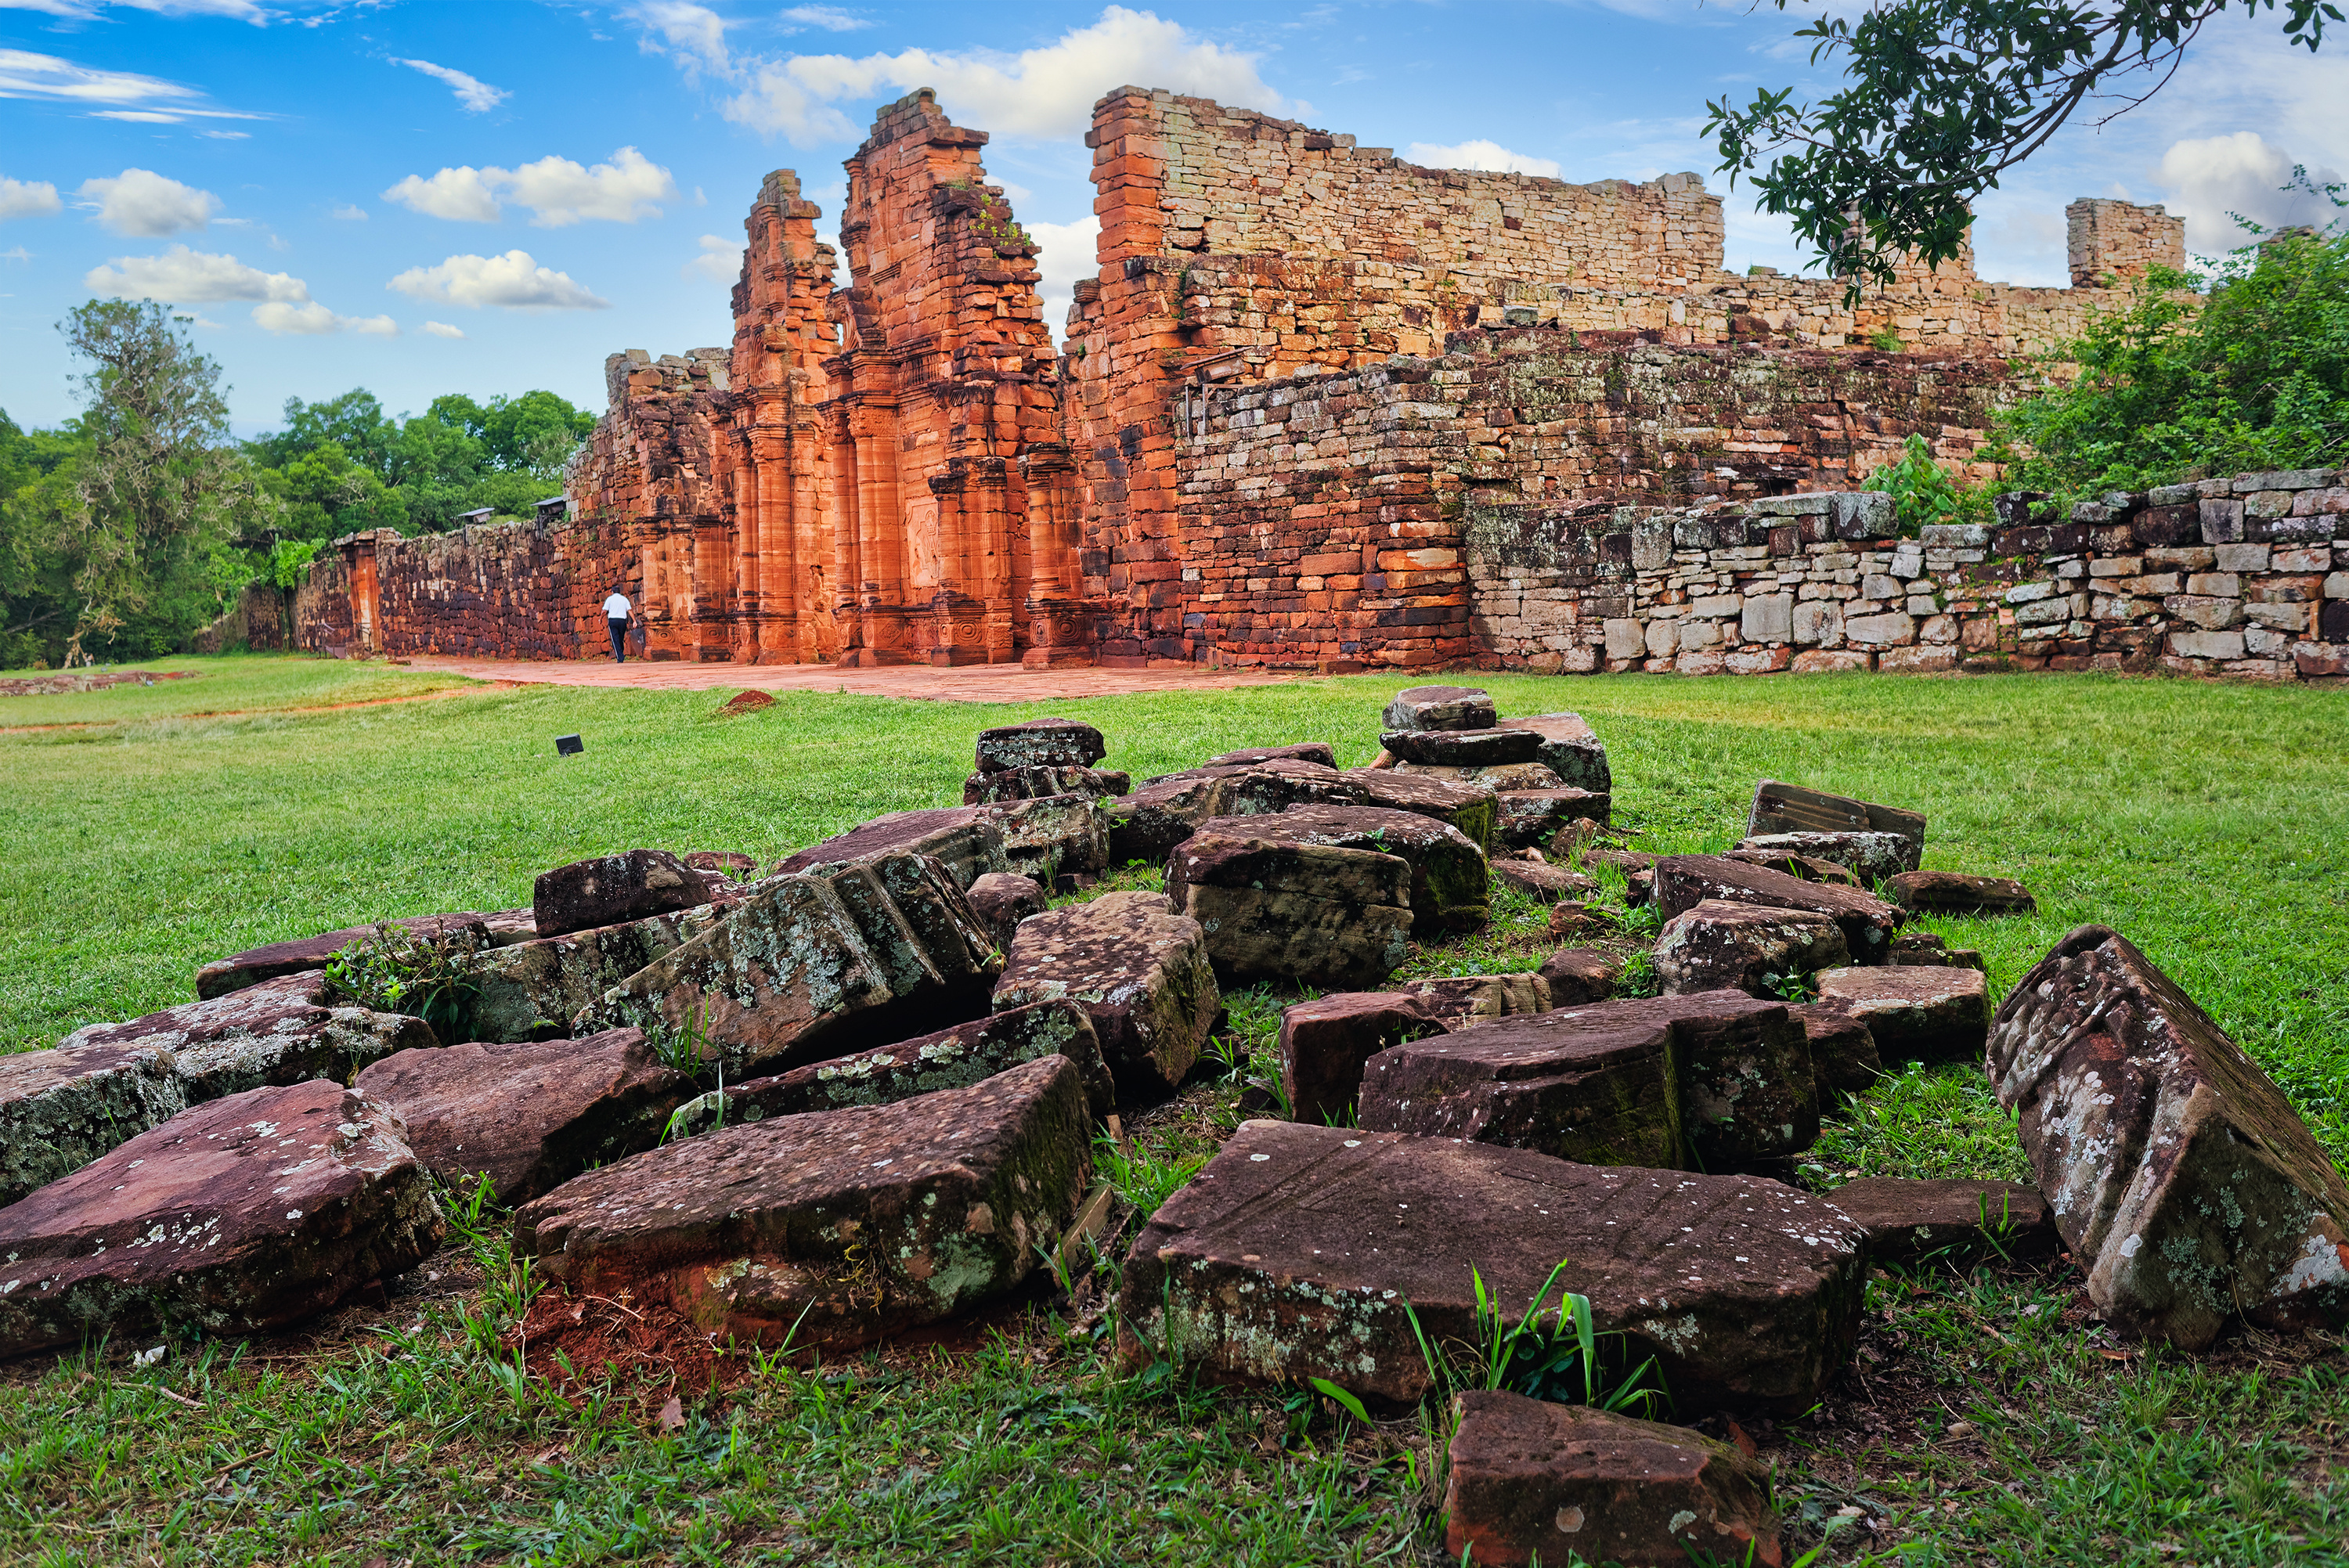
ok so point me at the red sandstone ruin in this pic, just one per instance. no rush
(1305, 372)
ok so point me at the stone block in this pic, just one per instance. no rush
(1484, 748)
(1951, 893)
(1539, 879)
(1040, 743)
(1683, 881)
(1844, 1058)
(1035, 783)
(1768, 618)
(1292, 907)
(1459, 1000)
(2181, 1179)
(1003, 900)
(1053, 837)
(1450, 887)
(967, 839)
(243, 1214)
(1817, 621)
(1605, 1093)
(1872, 857)
(810, 962)
(1578, 975)
(1533, 1482)
(1440, 707)
(836, 1227)
(1569, 750)
(2207, 644)
(1908, 1221)
(1916, 1013)
(1474, 809)
(613, 889)
(1142, 973)
(1782, 808)
(527, 1116)
(1721, 946)
(950, 1058)
(1324, 1044)
(1292, 1255)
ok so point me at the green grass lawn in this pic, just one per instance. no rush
(150, 829)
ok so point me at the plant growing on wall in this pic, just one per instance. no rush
(1921, 492)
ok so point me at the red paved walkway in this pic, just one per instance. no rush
(969, 682)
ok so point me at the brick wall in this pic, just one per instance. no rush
(2247, 576)
(1321, 521)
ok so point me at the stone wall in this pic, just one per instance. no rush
(512, 591)
(2246, 577)
(1321, 521)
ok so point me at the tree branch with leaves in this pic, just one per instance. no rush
(1941, 98)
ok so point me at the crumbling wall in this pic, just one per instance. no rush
(652, 463)
(2240, 576)
(2109, 242)
(1322, 521)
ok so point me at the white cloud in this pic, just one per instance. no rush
(84, 10)
(442, 329)
(1036, 93)
(15, 253)
(148, 99)
(720, 261)
(1488, 156)
(831, 18)
(558, 192)
(513, 281)
(30, 76)
(695, 34)
(28, 198)
(477, 96)
(183, 276)
(2214, 176)
(314, 320)
(227, 135)
(350, 212)
(460, 194)
(1065, 253)
(143, 203)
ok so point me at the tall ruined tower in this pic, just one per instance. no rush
(786, 576)
(940, 392)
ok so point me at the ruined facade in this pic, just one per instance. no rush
(1304, 382)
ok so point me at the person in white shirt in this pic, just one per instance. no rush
(617, 614)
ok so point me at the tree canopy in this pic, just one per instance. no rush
(137, 520)
(2240, 370)
(1943, 97)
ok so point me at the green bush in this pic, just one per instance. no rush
(2251, 375)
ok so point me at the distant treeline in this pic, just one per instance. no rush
(136, 521)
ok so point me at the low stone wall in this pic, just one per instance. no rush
(2245, 576)
(514, 591)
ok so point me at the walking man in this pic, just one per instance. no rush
(617, 614)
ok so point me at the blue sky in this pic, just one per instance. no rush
(489, 196)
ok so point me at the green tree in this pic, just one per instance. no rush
(354, 421)
(1940, 98)
(2251, 375)
(130, 538)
